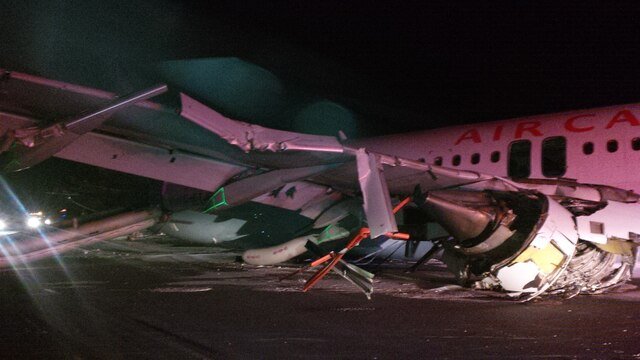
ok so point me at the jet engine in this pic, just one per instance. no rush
(527, 243)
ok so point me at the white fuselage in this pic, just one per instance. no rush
(611, 131)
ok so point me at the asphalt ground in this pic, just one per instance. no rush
(153, 299)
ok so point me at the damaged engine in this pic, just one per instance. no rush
(554, 238)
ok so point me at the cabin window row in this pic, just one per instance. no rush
(554, 156)
(456, 160)
(588, 148)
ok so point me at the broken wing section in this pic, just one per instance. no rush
(41, 117)
(250, 137)
(25, 146)
(352, 171)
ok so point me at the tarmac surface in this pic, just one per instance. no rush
(153, 299)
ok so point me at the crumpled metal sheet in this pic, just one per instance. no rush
(593, 271)
(253, 137)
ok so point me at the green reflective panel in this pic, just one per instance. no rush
(217, 200)
(332, 232)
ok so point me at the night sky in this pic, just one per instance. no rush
(393, 67)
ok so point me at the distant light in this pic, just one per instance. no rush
(33, 222)
(47, 222)
(3, 225)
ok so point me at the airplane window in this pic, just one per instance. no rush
(456, 160)
(495, 156)
(438, 161)
(475, 158)
(612, 146)
(635, 144)
(519, 159)
(554, 156)
(587, 148)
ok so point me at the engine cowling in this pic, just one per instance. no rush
(530, 243)
(518, 242)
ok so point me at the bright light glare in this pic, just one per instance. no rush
(33, 222)
(3, 225)
(47, 222)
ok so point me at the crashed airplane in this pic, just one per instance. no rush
(542, 205)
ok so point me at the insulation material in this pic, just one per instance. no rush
(619, 247)
(548, 259)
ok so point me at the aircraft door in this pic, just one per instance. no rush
(554, 156)
(519, 163)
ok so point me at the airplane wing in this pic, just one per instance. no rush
(350, 170)
(146, 139)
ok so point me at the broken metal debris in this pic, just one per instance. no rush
(38, 245)
(525, 244)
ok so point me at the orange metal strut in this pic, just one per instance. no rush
(361, 235)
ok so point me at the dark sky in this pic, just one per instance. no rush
(397, 66)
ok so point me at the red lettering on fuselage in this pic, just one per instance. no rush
(472, 134)
(530, 126)
(574, 124)
(571, 126)
(623, 116)
(497, 134)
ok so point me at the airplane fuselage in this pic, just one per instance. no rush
(597, 146)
